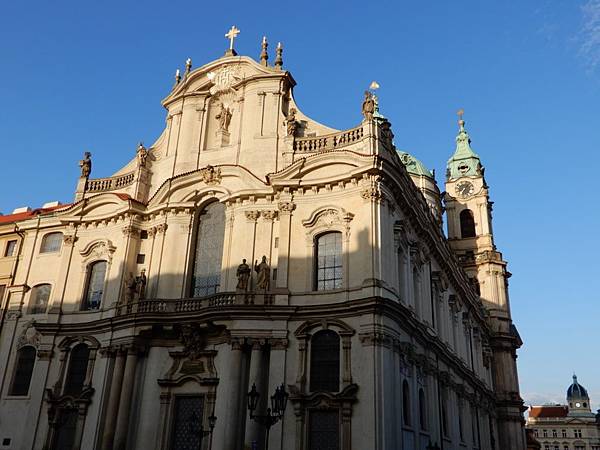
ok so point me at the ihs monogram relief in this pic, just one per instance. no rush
(223, 79)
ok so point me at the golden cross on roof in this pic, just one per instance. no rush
(231, 35)
(460, 113)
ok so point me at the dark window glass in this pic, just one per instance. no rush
(40, 295)
(422, 410)
(325, 361)
(186, 433)
(406, 403)
(23, 371)
(444, 415)
(67, 425)
(77, 372)
(467, 224)
(329, 261)
(11, 246)
(51, 243)
(95, 285)
(210, 234)
(324, 430)
(2, 289)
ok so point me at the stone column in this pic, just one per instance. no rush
(112, 407)
(285, 220)
(233, 407)
(257, 376)
(276, 377)
(121, 431)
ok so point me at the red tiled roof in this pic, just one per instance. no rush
(10, 218)
(548, 411)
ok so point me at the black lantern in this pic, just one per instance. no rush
(253, 396)
(273, 414)
(279, 401)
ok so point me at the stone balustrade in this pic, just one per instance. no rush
(108, 184)
(328, 141)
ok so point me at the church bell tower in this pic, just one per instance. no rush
(470, 234)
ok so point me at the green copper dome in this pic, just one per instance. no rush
(413, 165)
(464, 162)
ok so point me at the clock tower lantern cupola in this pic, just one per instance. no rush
(470, 235)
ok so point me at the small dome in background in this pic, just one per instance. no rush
(576, 391)
(413, 165)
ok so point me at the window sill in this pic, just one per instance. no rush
(17, 397)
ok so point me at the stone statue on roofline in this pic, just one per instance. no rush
(291, 122)
(86, 165)
(263, 274)
(140, 285)
(142, 155)
(368, 106)
(243, 276)
(130, 288)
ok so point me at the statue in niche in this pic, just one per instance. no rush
(263, 274)
(130, 288)
(142, 155)
(291, 123)
(86, 165)
(243, 275)
(368, 106)
(224, 118)
(140, 285)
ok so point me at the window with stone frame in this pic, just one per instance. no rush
(77, 369)
(96, 279)
(66, 429)
(406, 406)
(324, 429)
(51, 242)
(461, 420)
(444, 408)
(422, 409)
(186, 429)
(325, 361)
(11, 247)
(467, 224)
(208, 250)
(39, 297)
(329, 265)
(24, 365)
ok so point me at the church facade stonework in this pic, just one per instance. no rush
(251, 248)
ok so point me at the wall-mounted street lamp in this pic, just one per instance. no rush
(274, 413)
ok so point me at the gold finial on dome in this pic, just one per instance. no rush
(461, 123)
(279, 56)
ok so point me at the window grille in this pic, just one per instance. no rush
(186, 433)
(325, 362)
(95, 285)
(210, 234)
(23, 371)
(52, 242)
(40, 295)
(329, 261)
(324, 430)
(77, 372)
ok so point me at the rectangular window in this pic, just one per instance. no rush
(329, 261)
(545, 433)
(11, 247)
(140, 258)
(564, 433)
(2, 289)
(577, 433)
(554, 433)
(186, 433)
(324, 430)
(536, 433)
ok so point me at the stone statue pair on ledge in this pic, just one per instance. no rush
(263, 275)
(135, 287)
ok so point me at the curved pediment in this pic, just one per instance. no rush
(223, 179)
(322, 168)
(99, 206)
(221, 75)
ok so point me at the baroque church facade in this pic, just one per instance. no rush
(255, 278)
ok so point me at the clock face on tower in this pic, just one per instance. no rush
(578, 405)
(465, 189)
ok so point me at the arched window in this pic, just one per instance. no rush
(406, 403)
(95, 285)
(78, 363)
(325, 361)
(329, 261)
(467, 224)
(23, 371)
(51, 243)
(40, 295)
(208, 250)
(422, 409)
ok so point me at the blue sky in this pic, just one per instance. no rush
(83, 75)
